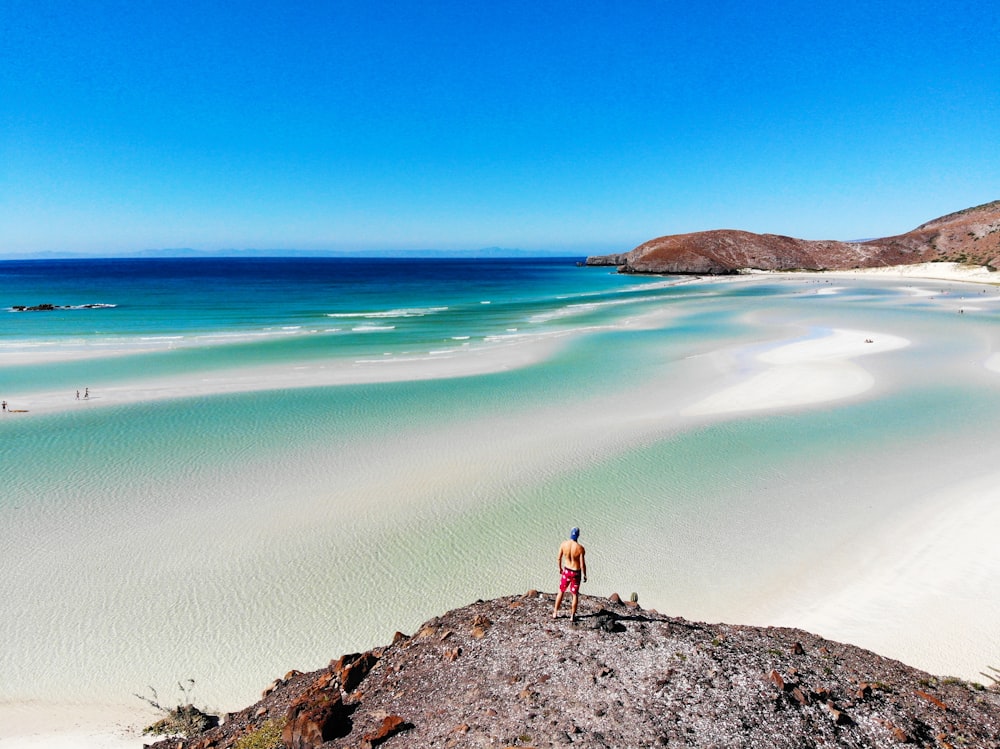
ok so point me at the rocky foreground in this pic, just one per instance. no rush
(502, 673)
(971, 236)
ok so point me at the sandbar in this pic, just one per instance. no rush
(816, 369)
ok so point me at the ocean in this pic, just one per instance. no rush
(222, 469)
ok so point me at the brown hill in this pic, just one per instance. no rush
(502, 673)
(970, 236)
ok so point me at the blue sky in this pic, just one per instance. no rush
(574, 127)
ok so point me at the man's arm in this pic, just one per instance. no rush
(583, 563)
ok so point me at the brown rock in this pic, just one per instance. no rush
(898, 733)
(671, 684)
(615, 598)
(315, 719)
(271, 687)
(390, 726)
(930, 698)
(797, 649)
(352, 675)
(838, 715)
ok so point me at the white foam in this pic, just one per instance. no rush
(372, 328)
(391, 314)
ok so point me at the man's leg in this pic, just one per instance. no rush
(572, 610)
(555, 610)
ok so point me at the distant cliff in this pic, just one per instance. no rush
(502, 673)
(970, 236)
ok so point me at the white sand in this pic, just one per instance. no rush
(934, 271)
(814, 370)
(929, 271)
(928, 593)
(73, 726)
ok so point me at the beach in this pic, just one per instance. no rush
(806, 450)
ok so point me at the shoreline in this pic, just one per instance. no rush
(488, 357)
(793, 371)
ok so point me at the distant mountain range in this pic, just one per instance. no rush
(971, 236)
(187, 252)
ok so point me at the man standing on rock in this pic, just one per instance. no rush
(572, 564)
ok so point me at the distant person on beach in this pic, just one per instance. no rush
(86, 393)
(5, 405)
(572, 565)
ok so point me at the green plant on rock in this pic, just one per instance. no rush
(267, 736)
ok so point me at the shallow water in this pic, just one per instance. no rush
(230, 537)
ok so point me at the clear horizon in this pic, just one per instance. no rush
(567, 129)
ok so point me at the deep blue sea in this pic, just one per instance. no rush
(272, 462)
(209, 313)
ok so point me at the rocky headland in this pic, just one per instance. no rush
(503, 673)
(971, 236)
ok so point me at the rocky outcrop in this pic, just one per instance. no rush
(46, 307)
(502, 673)
(970, 236)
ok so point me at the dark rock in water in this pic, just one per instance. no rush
(51, 307)
(618, 677)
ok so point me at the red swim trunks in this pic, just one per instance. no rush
(570, 579)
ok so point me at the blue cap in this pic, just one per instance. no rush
(574, 534)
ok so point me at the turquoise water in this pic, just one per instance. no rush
(230, 536)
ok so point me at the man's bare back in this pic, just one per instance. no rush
(571, 556)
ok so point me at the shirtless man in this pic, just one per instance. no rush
(572, 564)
